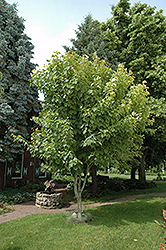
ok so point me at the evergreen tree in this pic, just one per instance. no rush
(1, 89)
(136, 36)
(19, 102)
(89, 40)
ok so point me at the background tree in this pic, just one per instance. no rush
(90, 116)
(89, 40)
(155, 141)
(136, 36)
(19, 101)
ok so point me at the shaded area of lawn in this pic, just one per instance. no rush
(128, 225)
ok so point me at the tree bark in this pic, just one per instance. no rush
(141, 170)
(94, 179)
(78, 191)
(133, 172)
(79, 206)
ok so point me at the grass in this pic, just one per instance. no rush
(149, 176)
(127, 226)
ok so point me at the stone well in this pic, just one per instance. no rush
(50, 201)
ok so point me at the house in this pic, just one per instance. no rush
(23, 167)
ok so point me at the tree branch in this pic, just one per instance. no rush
(85, 179)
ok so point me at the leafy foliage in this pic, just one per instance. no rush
(155, 139)
(20, 193)
(91, 115)
(109, 185)
(136, 36)
(4, 209)
(16, 198)
(87, 106)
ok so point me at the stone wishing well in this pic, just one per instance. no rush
(53, 195)
(50, 201)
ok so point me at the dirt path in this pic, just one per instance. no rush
(28, 208)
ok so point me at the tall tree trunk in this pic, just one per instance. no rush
(94, 179)
(141, 171)
(133, 171)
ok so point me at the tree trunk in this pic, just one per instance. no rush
(133, 171)
(94, 179)
(78, 191)
(141, 170)
(79, 205)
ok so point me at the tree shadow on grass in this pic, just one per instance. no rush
(139, 211)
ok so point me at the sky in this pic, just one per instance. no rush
(51, 23)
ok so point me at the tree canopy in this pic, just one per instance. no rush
(19, 101)
(136, 36)
(90, 115)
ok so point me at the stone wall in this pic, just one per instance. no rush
(49, 201)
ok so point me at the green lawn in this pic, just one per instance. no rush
(128, 225)
(127, 176)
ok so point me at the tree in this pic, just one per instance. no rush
(136, 36)
(19, 101)
(89, 40)
(91, 115)
(155, 139)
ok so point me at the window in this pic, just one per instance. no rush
(16, 166)
(42, 171)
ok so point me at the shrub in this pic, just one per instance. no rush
(18, 197)
(18, 184)
(106, 186)
(33, 187)
(25, 193)
(4, 209)
(135, 184)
